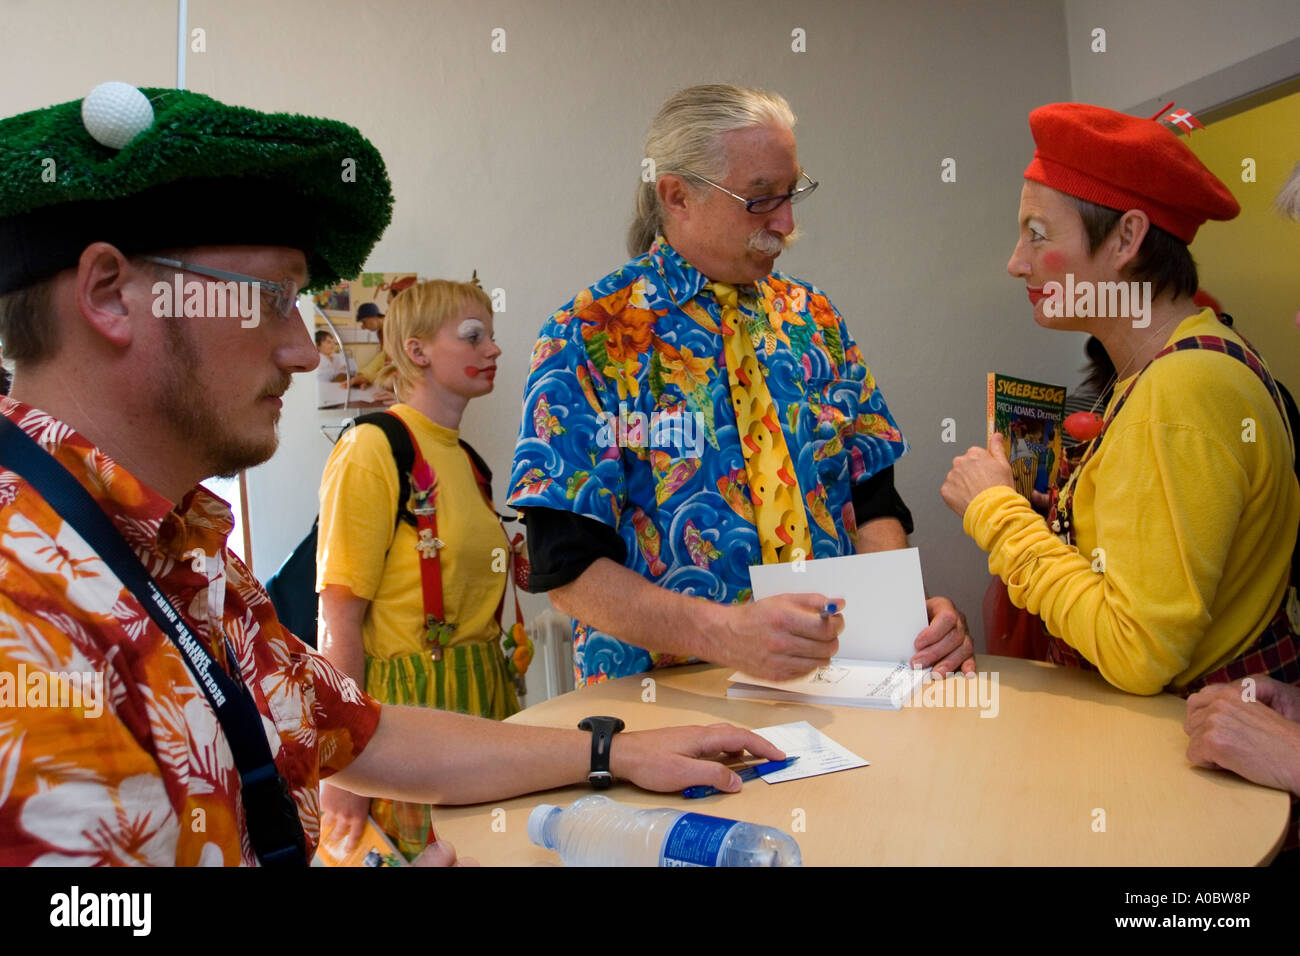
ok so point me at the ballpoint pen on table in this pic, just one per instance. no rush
(749, 773)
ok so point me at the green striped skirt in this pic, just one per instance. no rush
(470, 679)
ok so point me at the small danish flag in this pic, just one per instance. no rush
(1180, 120)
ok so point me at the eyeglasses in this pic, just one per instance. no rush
(765, 204)
(283, 294)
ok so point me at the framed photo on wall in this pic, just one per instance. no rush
(349, 337)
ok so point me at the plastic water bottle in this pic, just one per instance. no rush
(598, 831)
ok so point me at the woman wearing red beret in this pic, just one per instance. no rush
(1165, 561)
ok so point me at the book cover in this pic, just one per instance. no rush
(375, 849)
(1028, 415)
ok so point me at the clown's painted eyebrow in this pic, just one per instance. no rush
(470, 328)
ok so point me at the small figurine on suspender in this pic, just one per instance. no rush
(424, 488)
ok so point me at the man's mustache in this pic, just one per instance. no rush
(770, 244)
(280, 386)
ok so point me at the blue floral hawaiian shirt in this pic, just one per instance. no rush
(628, 419)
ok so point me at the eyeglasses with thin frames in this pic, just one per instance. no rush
(764, 204)
(284, 294)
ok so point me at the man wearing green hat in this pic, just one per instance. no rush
(152, 708)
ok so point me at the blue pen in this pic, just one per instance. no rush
(830, 609)
(749, 773)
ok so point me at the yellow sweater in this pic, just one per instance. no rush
(1185, 519)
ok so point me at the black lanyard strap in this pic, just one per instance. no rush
(274, 828)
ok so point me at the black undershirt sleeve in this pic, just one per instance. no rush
(561, 545)
(877, 498)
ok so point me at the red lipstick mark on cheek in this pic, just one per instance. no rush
(1054, 261)
(472, 370)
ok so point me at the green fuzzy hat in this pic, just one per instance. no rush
(203, 173)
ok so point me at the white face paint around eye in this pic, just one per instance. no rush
(471, 330)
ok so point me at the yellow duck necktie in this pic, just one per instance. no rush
(778, 506)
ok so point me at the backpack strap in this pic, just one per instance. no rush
(1293, 419)
(482, 473)
(1247, 356)
(399, 440)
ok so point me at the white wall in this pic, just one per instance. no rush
(1154, 46)
(282, 494)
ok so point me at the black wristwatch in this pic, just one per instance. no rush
(602, 730)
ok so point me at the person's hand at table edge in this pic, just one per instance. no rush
(1253, 738)
(1284, 698)
(945, 645)
(442, 853)
(674, 758)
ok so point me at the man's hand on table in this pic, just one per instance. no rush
(675, 758)
(666, 760)
(1259, 739)
(945, 645)
(777, 638)
(343, 812)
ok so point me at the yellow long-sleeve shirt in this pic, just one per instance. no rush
(1185, 520)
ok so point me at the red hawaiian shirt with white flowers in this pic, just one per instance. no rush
(109, 751)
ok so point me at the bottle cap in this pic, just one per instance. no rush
(537, 823)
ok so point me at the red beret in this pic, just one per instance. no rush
(1124, 162)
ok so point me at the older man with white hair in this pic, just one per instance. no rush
(694, 413)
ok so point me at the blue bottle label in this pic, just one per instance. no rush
(695, 840)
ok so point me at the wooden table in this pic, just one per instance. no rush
(1070, 771)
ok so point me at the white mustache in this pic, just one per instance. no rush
(770, 244)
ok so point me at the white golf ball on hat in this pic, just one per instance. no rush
(115, 113)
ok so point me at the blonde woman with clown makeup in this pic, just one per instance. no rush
(373, 566)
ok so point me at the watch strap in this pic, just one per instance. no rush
(602, 730)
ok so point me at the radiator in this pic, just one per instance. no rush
(551, 673)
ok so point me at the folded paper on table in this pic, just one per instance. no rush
(817, 753)
(884, 611)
